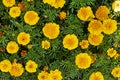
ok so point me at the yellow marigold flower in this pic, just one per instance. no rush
(43, 75)
(45, 44)
(62, 15)
(70, 41)
(109, 26)
(51, 30)
(111, 52)
(23, 38)
(31, 66)
(95, 39)
(116, 5)
(5, 65)
(116, 72)
(16, 69)
(31, 17)
(45, 68)
(55, 3)
(15, 12)
(8, 3)
(55, 75)
(85, 13)
(84, 44)
(95, 27)
(116, 56)
(96, 76)
(12, 47)
(102, 13)
(29, 0)
(83, 60)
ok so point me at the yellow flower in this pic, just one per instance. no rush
(116, 5)
(16, 69)
(116, 56)
(55, 3)
(15, 12)
(43, 75)
(111, 52)
(116, 72)
(83, 60)
(12, 47)
(84, 44)
(55, 75)
(62, 15)
(31, 66)
(96, 76)
(109, 26)
(8, 3)
(5, 65)
(95, 27)
(102, 13)
(31, 17)
(51, 30)
(85, 13)
(45, 44)
(70, 41)
(23, 38)
(29, 0)
(95, 39)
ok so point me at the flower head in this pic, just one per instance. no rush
(116, 72)
(70, 41)
(116, 5)
(31, 66)
(95, 27)
(51, 30)
(21, 6)
(15, 12)
(96, 76)
(84, 44)
(85, 13)
(16, 69)
(62, 15)
(95, 39)
(45, 44)
(102, 13)
(109, 26)
(111, 52)
(83, 60)
(31, 17)
(5, 65)
(43, 75)
(12, 47)
(55, 75)
(55, 3)
(8, 3)
(23, 38)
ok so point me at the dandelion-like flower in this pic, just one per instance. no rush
(31, 66)
(62, 15)
(96, 76)
(85, 13)
(51, 30)
(116, 5)
(95, 39)
(95, 27)
(12, 47)
(102, 13)
(55, 75)
(111, 52)
(45, 44)
(31, 17)
(43, 75)
(23, 38)
(5, 65)
(109, 26)
(15, 12)
(70, 41)
(84, 44)
(83, 60)
(116, 72)
(8, 3)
